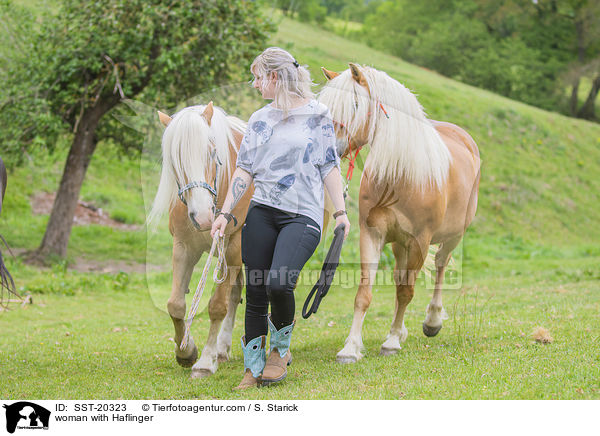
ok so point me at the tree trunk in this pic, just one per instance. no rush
(60, 223)
(574, 98)
(588, 110)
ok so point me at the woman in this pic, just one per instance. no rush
(289, 152)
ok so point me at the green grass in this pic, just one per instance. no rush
(530, 259)
(106, 340)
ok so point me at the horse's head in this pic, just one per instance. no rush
(372, 108)
(349, 100)
(195, 159)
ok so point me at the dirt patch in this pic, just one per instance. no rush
(115, 266)
(85, 213)
(105, 266)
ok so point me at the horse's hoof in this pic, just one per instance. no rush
(201, 373)
(431, 331)
(187, 362)
(346, 359)
(388, 351)
(222, 357)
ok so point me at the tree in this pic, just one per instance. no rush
(522, 49)
(585, 17)
(90, 55)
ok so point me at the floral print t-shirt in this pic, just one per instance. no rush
(289, 157)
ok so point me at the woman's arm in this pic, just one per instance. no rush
(333, 183)
(240, 182)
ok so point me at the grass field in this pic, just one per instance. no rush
(108, 342)
(529, 260)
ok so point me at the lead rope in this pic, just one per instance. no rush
(218, 243)
(332, 259)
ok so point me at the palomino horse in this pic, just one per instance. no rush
(199, 148)
(419, 187)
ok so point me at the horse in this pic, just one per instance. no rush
(200, 146)
(419, 187)
(6, 281)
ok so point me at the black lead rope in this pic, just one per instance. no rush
(327, 272)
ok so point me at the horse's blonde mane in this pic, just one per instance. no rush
(404, 146)
(187, 144)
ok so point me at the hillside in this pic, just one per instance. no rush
(540, 169)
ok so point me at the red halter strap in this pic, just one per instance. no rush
(352, 159)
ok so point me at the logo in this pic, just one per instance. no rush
(26, 415)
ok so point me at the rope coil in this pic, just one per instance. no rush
(218, 243)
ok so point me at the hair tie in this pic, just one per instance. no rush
(296, 64)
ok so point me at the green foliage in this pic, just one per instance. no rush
(449, 45)
(27, 119)
(83, 59)
(357, 10)
(306, 10)
(522, 50)
(60, 281)
(311, 10)
(515, 70)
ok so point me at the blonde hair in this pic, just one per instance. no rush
(403, 141)
(293, 79)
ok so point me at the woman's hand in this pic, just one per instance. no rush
(218, 226)
(343, 219)
(240, 181)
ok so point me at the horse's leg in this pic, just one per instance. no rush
(409, 260)
(184, 260)
(371, 243)
(435, 312)
(217, 309)
(224, 338)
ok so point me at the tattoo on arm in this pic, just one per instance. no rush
(238, 188)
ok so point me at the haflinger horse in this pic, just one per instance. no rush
(199, 148)
(419, 187)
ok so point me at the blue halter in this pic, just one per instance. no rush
(194, 184)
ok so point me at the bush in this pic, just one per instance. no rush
(448, 46)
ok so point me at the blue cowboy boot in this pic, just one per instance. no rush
(280, 355)
(254, 361)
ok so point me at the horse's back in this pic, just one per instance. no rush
(456, 133)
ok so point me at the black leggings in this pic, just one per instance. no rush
(275, 246)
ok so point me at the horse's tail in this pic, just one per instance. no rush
(7, 284)
(6, 281)
(164, 199)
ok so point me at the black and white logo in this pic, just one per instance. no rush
(26, 415)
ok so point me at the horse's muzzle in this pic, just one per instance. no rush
(202, 224)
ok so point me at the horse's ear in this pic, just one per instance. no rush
(329, 74)
(164, 118)
(357, 75)
(208, 112)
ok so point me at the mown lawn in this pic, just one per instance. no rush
(111, 340)
(529, 260)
